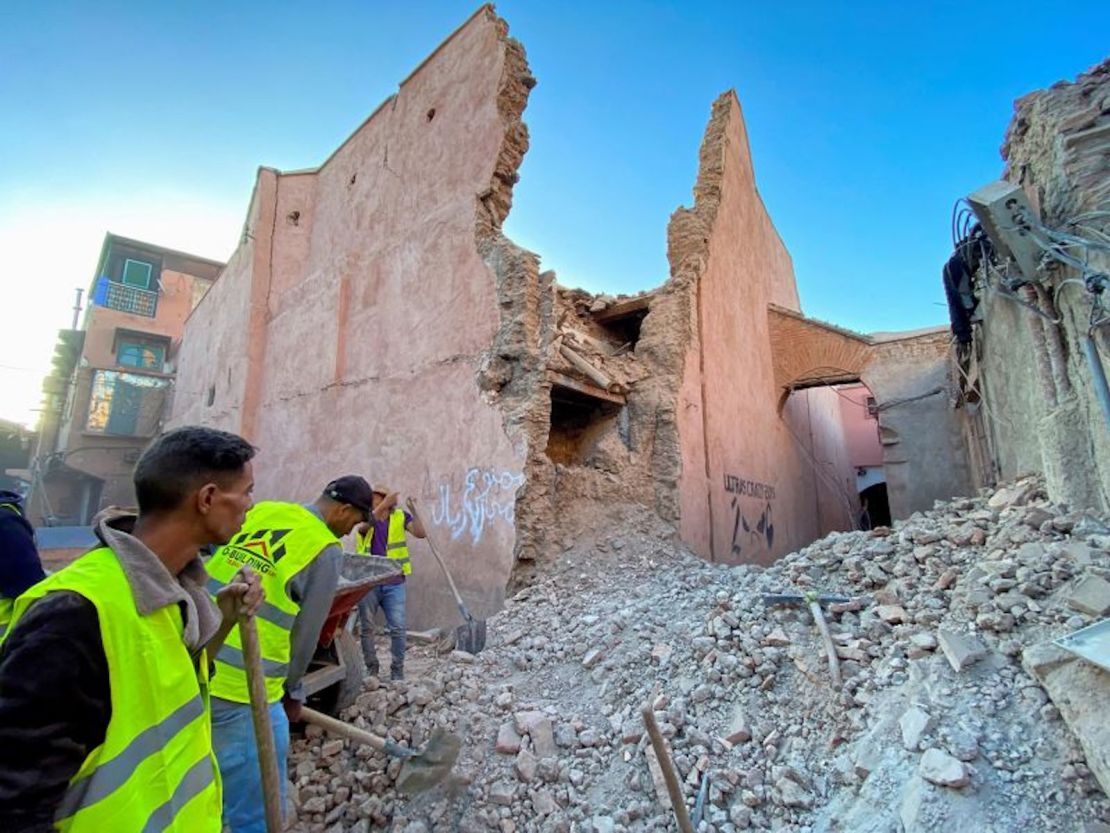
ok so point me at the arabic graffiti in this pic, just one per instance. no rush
(487, 497)
(759, 531)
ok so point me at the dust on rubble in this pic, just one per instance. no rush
(549, 711)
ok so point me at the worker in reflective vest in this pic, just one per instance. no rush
(296, 551)
(384, 535)
(104, 668)
(20, 567)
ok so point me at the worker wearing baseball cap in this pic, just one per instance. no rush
(384, 535)
(296, 551)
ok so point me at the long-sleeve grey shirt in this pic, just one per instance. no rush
(313, 588)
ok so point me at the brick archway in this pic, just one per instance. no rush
(808, 353)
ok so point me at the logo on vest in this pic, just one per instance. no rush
(260, 550)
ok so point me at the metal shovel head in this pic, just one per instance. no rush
(431, 764)
(471, 636)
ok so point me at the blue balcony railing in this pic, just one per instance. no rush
(125, 298)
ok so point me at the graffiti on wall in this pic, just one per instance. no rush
(486, 498)
(753, 524)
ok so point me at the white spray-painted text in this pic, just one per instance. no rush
(488, 497)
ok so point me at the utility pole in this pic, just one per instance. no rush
(77, 308)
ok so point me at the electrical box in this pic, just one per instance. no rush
(1006, 217)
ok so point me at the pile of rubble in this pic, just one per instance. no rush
(937, 726)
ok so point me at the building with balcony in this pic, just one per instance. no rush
(112, 379)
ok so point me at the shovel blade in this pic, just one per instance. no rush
(430, 765)
(471, 636)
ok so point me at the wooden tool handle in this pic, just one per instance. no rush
(830, 648)
(442, 565)
(263, 731)
(674, 789)
(344, 730)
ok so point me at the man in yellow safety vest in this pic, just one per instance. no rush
(384, 535)
(104, 669)
(296, 551)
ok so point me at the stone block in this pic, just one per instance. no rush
(915, 722)
(942, 769)
(961, 650)
(502, 793)
(508, 741)
(739, 730)
(891, 614)
(1081, 692)
(1091, 596)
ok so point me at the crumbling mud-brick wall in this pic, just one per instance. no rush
(358, 328)
(743, 482)
(1040, 412)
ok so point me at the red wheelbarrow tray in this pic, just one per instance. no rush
(358, 575)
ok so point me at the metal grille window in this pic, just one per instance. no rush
(126, 404)
(126, 298)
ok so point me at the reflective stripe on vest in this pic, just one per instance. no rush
(396, 546)
(277, 541)
(155, 770)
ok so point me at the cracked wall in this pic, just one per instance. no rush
(743, 483)
(375, 319)
(1057, 148)
(352, 322)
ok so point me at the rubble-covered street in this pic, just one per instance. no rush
(550, 711)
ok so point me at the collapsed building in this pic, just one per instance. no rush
(376, 319)
(1030, 356)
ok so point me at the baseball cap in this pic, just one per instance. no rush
(351, 489)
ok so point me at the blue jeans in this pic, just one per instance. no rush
(237, 755)
(390, 598)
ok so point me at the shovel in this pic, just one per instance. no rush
(470, 636)
(421, 769)
(263, 733)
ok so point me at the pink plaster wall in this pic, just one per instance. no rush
(214, 347)
(761, 468)
(860, 428)
(363, 323)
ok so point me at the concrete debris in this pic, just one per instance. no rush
(750, 708)
(914, 723)
(961, 650)
(1091, 596)
(940, 768)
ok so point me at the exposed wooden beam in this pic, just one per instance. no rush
(561, 380)
(623, 309)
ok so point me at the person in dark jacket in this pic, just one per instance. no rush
(20, 567)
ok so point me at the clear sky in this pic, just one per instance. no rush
(866, 119)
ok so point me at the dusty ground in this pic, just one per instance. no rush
(549, 711)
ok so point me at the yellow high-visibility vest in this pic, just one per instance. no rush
(396, 545)
(155, 769)
(277, 541)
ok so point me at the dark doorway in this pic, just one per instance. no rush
(874, 506)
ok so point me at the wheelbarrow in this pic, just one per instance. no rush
(334, 677)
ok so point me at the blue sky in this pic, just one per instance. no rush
(866, 119)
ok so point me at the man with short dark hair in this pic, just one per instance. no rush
(296, 551)
(104, 670)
